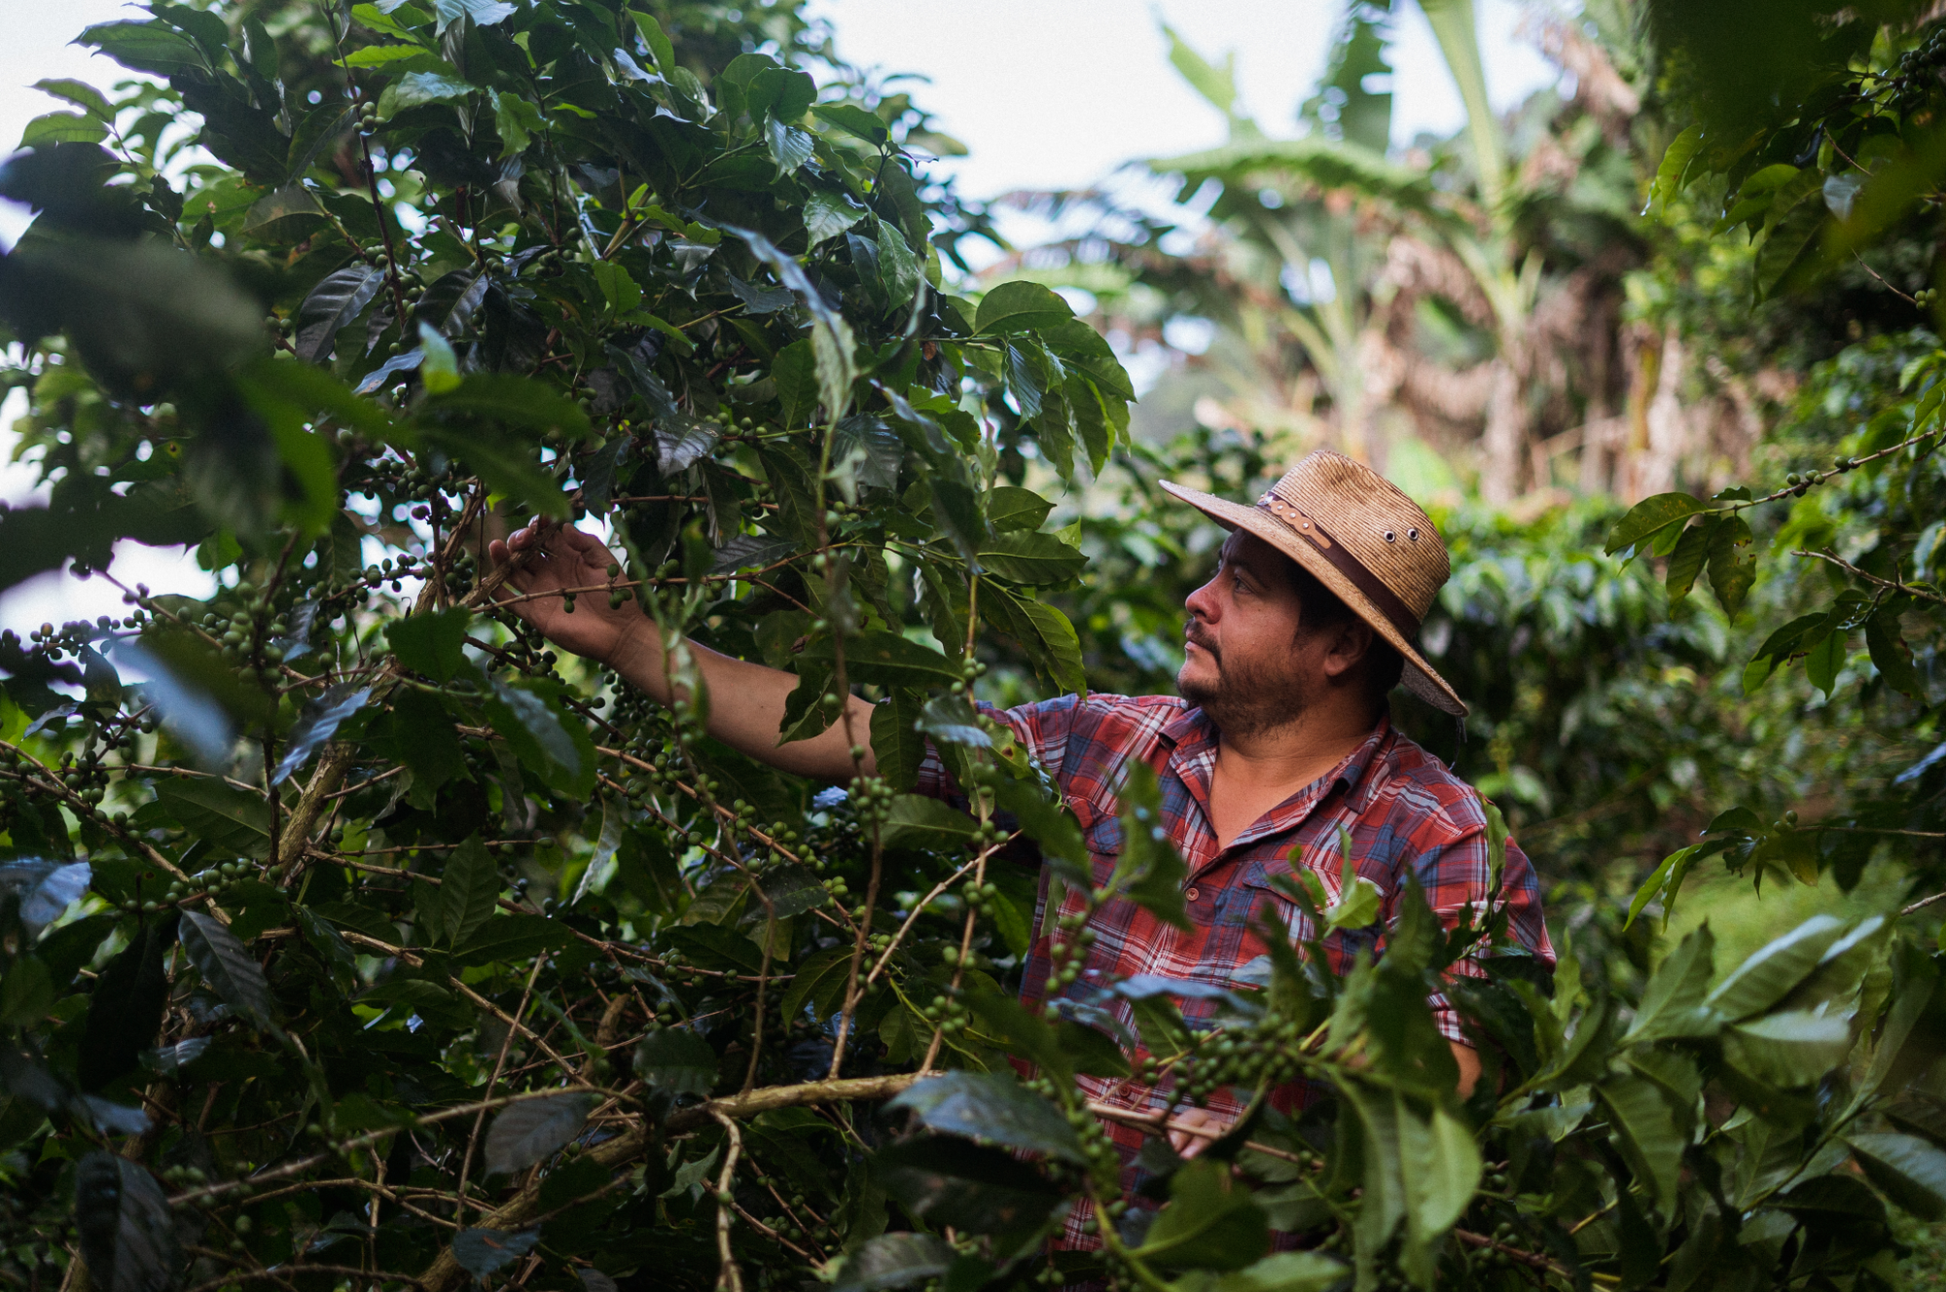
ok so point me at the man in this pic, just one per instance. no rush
(1279, 749)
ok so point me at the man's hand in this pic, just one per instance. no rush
(747, 700)
(558, 559)
(1187, 1142)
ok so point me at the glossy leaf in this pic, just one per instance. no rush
(318, 722)
(676, 1061)
(128, 1235)
(948, 1181)
(1907, 1169)
(230, 819)
(1208, 1222)
(532, 1130)
(1768, 975)
(893, 1261)
(228, 967)
(992, 1107)
(1649, 517)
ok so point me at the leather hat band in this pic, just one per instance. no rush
(1385, 600)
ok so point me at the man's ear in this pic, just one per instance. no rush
(1350, 642)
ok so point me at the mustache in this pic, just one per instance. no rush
(1192, 631)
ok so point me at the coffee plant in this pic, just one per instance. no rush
(353, 937)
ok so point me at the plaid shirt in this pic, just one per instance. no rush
(1399, 806)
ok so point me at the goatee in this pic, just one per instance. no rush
(1246, 697)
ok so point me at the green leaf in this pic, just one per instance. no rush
(1441, 1170)
(944, 1180)
(229, 819)
(1910, 1171)
(1795, 1048)
(1031, 558)
(852, 119)
(917, 821)
(319, 721)
(1672, 170)
(1650, 517)
(468, 891)
(530, 1131)
(676, 1061)
(144, 47)
(1825, 659)
(333, 305)
(887, 659)
(1018, 306)
(127, 1232)
(62, 128)
(554, 748)
(1010, 507)
(1059, 648)
(897, 743)
(832, 349)
(26, 992)
(1770, 974)
(229, 968)
(416, 89)
(432, 643)
(513, 402)
(44, 889)
(818, 983)
(1359, 899)
(660, 48)
(783, 92)
(1210, 1222)
(1732, 569)
(826, 215)
(80, 93)
(990, 1106)
(507, 938)
(893, 1261)
(1686, 562)
(1645, 1132)
(1278, 1272)
(1048, 823)
(1891, 656)
(1793, 233)
(1672, 1005)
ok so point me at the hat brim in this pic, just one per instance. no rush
(1418, 677)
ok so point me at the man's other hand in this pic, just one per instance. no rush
(561, 559)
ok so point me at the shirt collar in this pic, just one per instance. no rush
(1194, 738)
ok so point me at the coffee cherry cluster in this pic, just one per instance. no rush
(1068, 954)
(213, 882)
(1265, 1052)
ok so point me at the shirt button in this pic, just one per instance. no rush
(1191, 894)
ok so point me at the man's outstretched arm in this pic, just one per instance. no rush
(746, 701)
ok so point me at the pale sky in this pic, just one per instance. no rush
(1045, 93)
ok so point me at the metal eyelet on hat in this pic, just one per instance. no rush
(1390, 536)
(1412, 534)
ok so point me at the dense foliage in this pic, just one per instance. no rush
(352, 938)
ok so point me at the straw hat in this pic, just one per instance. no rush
(1363, 539)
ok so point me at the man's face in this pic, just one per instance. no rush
(1244, 663)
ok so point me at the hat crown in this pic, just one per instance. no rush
(1377, 524)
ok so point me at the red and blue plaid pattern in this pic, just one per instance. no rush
(1403, 812)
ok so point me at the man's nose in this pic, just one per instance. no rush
(1202, 602)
